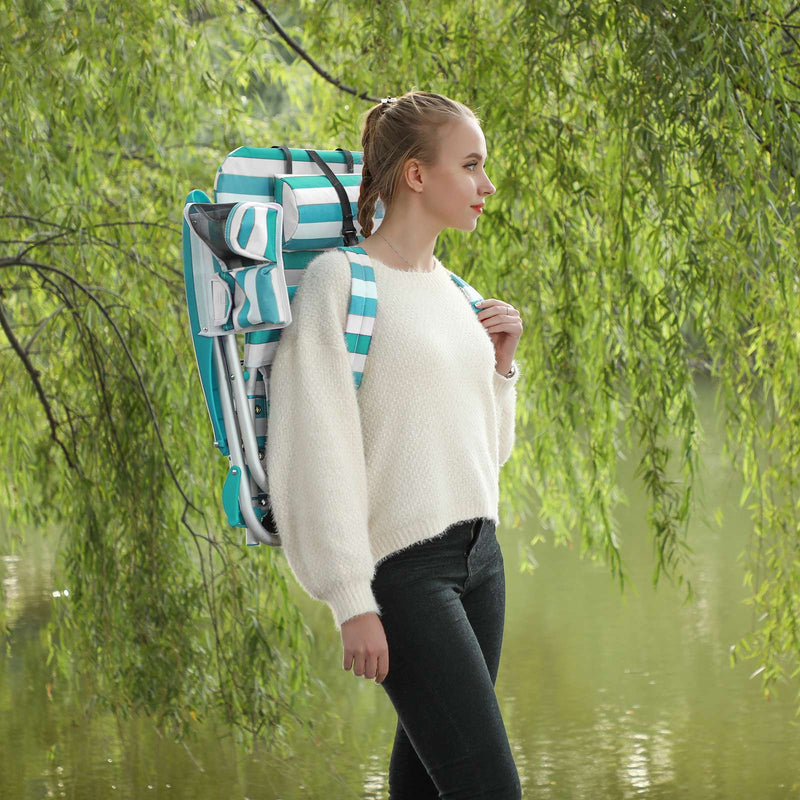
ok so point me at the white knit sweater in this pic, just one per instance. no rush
(358, 474)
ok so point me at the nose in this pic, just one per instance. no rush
(488, 187)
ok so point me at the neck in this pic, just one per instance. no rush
(405, 241)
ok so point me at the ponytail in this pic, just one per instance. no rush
(367, 200)
(369, 193)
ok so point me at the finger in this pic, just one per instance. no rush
(501, 324)
(383, 668)
(347, 661)
(502, 310)
(358, 665)
(494, 317)
(498, 306)
(371, 667)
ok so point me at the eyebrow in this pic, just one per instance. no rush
(474, 155)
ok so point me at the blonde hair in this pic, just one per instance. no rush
(396, 130)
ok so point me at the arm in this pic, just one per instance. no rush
(505, 393)
(315, 456)
(504, 325)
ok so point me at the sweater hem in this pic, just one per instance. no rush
(396, 540)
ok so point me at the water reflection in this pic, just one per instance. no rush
(605, 696)
(10, 585)
(376, 782)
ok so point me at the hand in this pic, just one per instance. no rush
(364, 647)
(504, 325)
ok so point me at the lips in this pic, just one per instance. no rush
(478, 208)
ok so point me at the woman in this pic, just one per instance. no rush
(386, 497)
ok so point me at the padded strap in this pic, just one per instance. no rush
(348, 159)
(348, 225)
(362, 311)
(287, 157)
(472, 296)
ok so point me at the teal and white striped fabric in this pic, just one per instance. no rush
(471, 295)
(362, 311)
(248, 173)
(261, 346)
(259, 297)
(253, 230)
(312, 212)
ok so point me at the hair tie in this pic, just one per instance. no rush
(387, 100)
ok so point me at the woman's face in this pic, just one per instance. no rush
(455, 186)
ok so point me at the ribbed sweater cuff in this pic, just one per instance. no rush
(350, 601)
(501, 380)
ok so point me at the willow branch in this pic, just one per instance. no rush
(38, 267)
(124, 223)
(33, 220)
(37, 384)
(306, 57)
(41, 326)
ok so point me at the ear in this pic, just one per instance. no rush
(412, 175)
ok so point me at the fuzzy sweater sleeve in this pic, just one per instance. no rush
(505, 393)
(315, 453)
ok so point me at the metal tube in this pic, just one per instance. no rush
(246, 426)
(251, 519)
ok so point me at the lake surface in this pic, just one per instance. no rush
(604, 695)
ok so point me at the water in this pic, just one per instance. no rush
(604, 695)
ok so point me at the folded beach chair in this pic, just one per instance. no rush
(244, 257)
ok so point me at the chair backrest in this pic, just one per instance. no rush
(244, 258)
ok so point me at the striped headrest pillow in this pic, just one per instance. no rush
(312, 212)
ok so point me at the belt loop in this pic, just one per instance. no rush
(475, 530)
(477, 526)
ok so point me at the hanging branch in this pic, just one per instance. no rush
(37, 384)
(39, 269)
(306, 57)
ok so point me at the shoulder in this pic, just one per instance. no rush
(328, 270)
(326, 275)
(323, 293)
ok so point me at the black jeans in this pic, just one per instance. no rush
(442, 607)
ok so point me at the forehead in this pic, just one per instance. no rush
(461, 138)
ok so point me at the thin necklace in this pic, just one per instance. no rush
(411, 266)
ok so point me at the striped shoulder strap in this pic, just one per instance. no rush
(472, 296)
(361, 314)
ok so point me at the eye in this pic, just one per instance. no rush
(471, 166)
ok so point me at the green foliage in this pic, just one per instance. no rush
(645, 225)
(110, 115)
